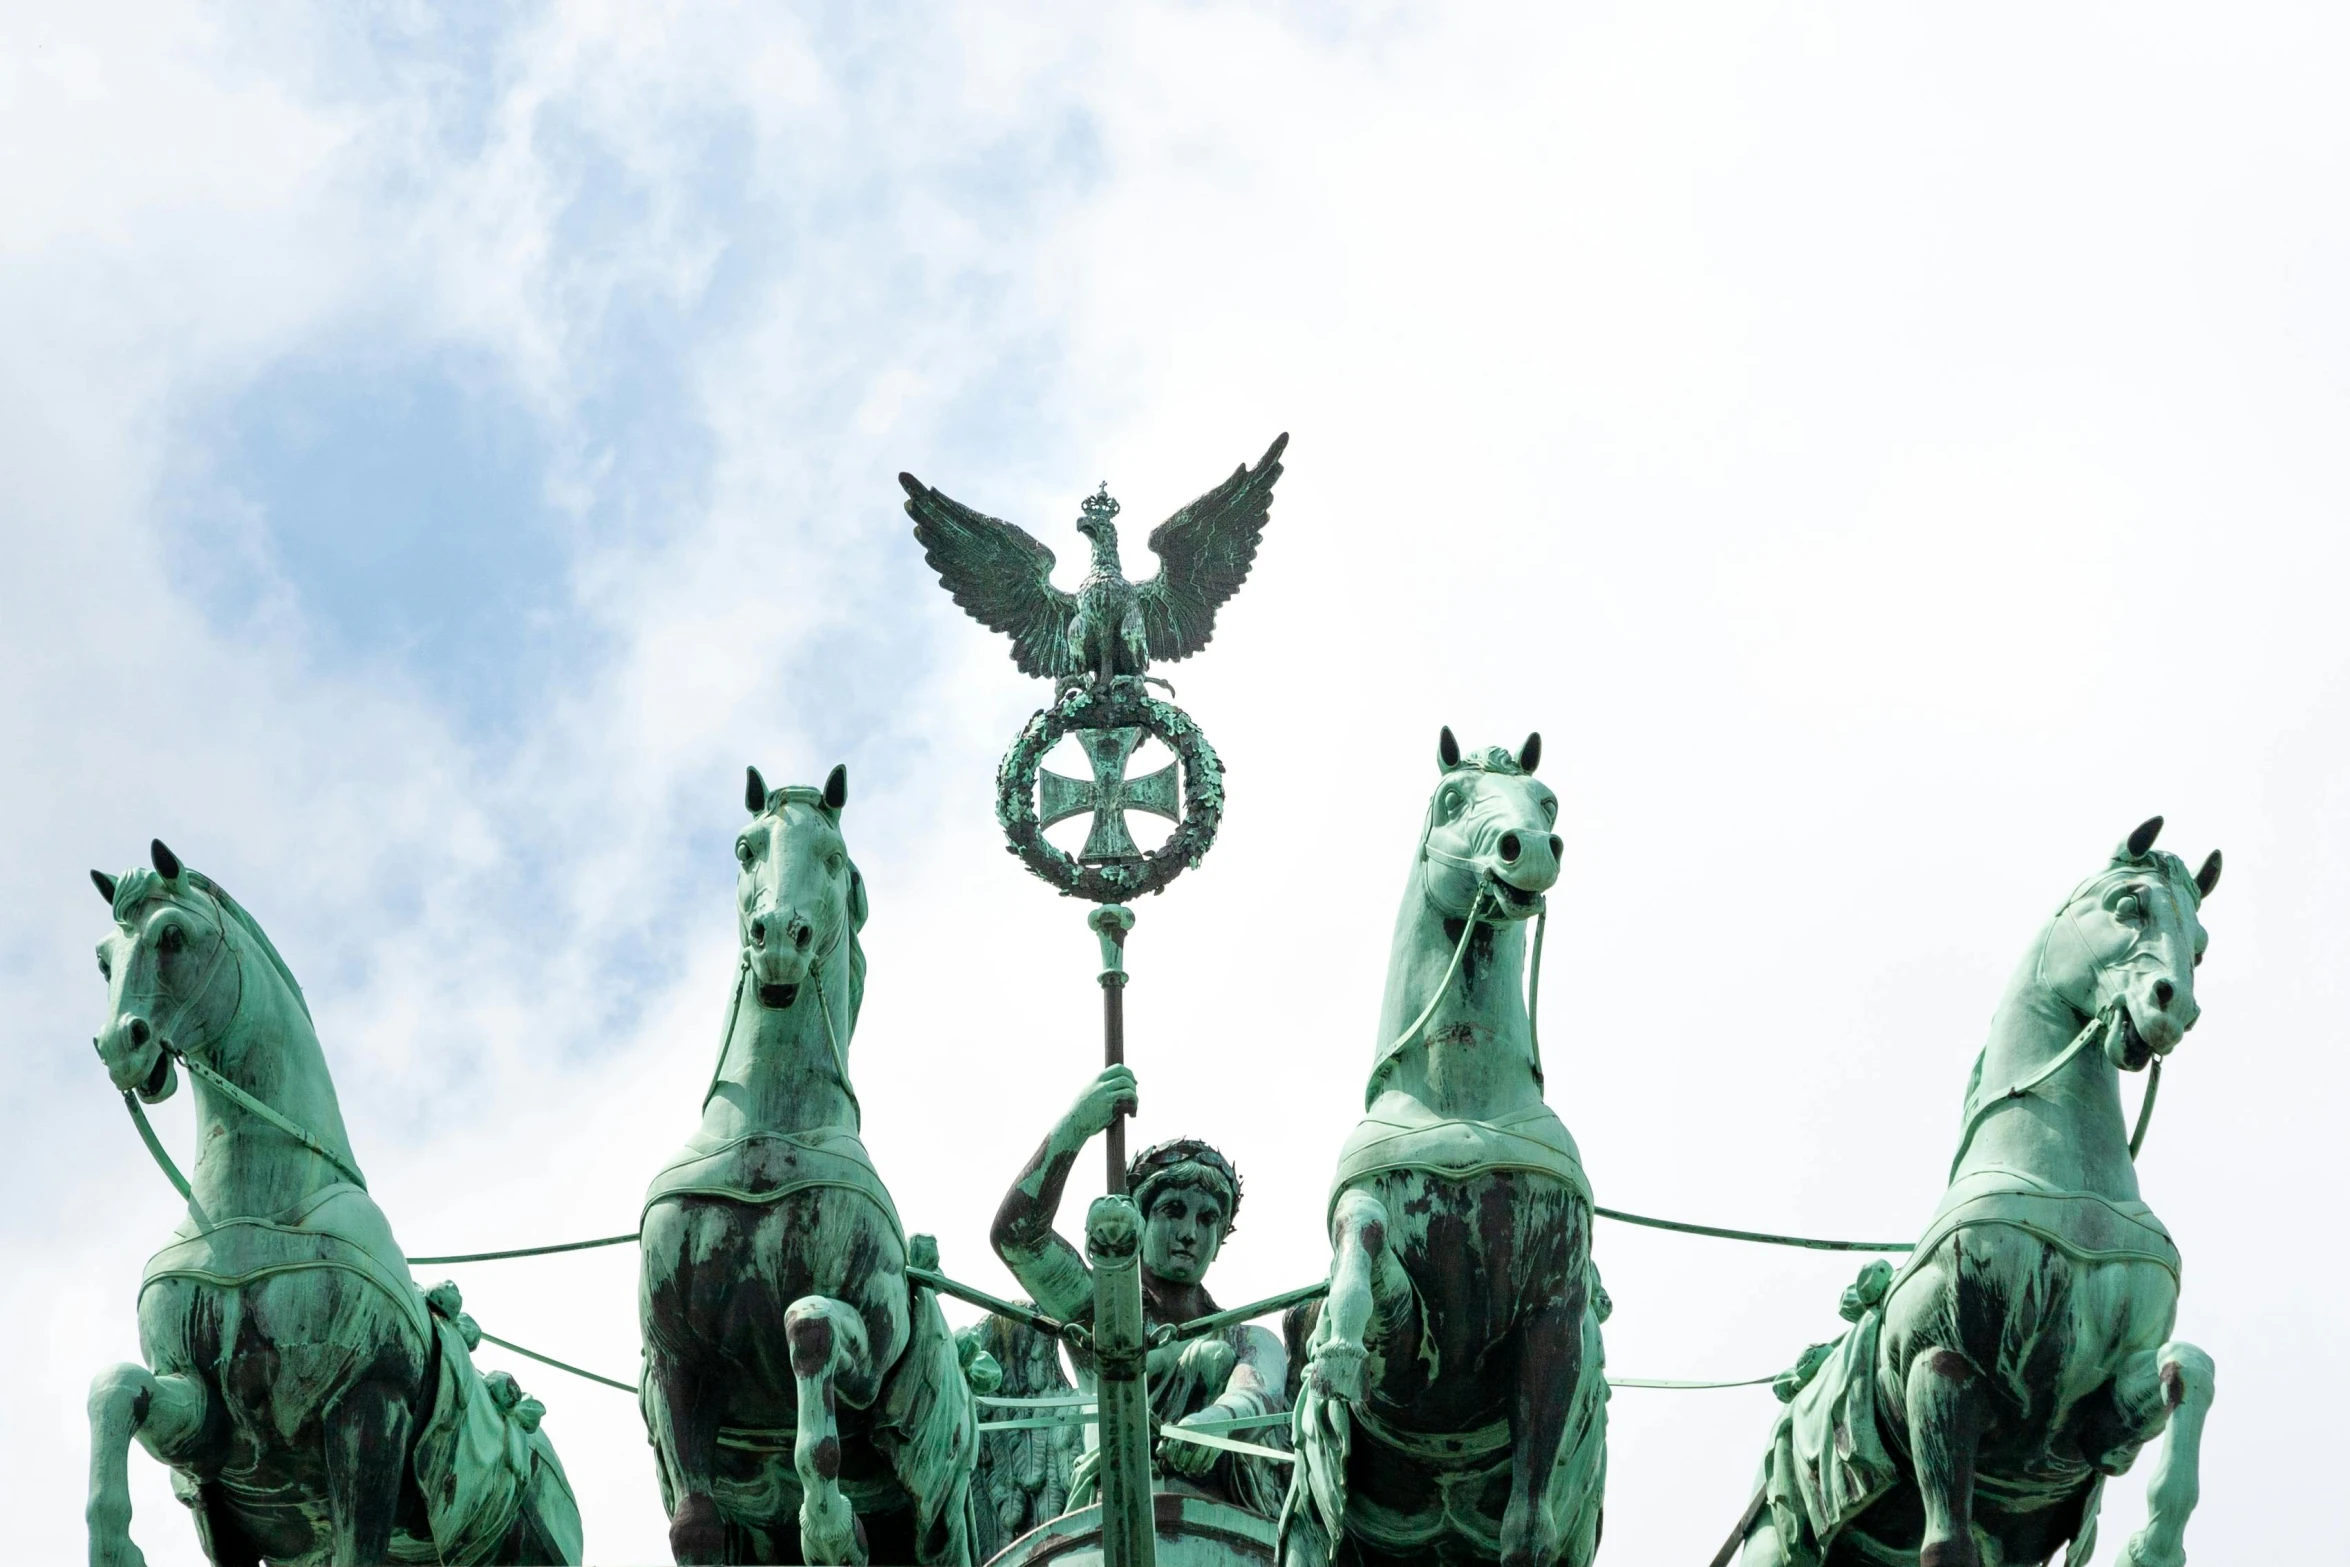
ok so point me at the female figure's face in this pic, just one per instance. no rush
(1182, 1233)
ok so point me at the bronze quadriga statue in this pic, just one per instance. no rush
(1455, 1402)
(313, 1404)
(806, 1401)
(1971, 1414)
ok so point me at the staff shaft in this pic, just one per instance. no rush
(1111, 922)
(1113, 1054)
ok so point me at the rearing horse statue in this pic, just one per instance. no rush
(1972, 1412)
(1455, 1401)
(313, 1404)
(805, 1399)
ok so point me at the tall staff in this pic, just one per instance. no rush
(1098, 643)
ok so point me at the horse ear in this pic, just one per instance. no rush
(105, 885)
(167, 864)
(1530, 754)
(2143, 838)
(836, 788)
(2205, 879)
(754, 791)
(1448, 750)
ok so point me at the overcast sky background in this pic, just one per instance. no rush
(1886, 454)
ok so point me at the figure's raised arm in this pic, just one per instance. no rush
(1052, 1270)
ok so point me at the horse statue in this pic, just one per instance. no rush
(2023, 1353)
(1454, 1406)
(312, 1403)
(805, 1399)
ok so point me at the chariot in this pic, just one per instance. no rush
(1441, 1394)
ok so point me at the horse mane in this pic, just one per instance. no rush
(139, 884)
(856, 955)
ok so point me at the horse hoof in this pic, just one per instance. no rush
(1950, 1553)
(118, 1552)
(1337, 1368)
(2142, 1553)
(696, 1532)
(830, 1531)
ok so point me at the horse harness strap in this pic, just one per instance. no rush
(840, 1056)
(1460, 951)
(1443, 989)
(290, 1128)
(2097, 965)
(2090, 1033)
(171, 1171)
(223, 951)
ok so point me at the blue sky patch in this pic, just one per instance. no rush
(404, 506)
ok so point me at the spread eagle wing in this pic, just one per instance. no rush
(1204, 553)
(1001, 577)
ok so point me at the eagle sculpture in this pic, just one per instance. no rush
(1109, 626)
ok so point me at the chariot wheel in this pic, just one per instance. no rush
(1192, 1531)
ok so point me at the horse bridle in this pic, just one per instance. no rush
(1487, 884)
(165, 1042)
(2093, 1031)
(840, 1056)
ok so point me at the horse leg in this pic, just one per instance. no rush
(2187, 1390)
(1948, 1408)
(166, 1415)
(1550, 1368)
(1369, 1291)
(829, 1356)
(690, 1410)
(367, 1430)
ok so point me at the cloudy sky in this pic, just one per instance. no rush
(1887, 456)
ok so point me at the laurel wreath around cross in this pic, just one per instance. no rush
(1118, 704)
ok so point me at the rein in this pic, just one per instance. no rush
(2091, 1032)
(222, 949)
(1452, 972)
(840, 1056)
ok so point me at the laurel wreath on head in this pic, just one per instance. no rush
(1123, 704)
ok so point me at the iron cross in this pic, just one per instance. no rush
(1110, 796)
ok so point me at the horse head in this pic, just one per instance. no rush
(2133, 938)
(172, 979)
(1491, 828)
(798, 896)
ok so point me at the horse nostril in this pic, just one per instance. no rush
(758, 933)
(1509, 846)
(2163, 991)
(139, 1031)
(800, 937)
(1557, 849)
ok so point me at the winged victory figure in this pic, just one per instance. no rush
(1109, 626)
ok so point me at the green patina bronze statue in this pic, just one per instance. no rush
(313, 1404)
(1188, 1196)
(1109, 627)
(805, 1399)
(2023, 1353)
(1454, 1406)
